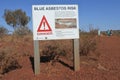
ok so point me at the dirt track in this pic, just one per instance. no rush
(106, 67)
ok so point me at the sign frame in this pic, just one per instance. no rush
(62, 19)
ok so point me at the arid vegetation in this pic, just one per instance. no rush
(3, 31)
(11, 50)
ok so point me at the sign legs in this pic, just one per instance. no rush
(36, 57)
(76, 54)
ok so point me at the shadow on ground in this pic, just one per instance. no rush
(46, 59)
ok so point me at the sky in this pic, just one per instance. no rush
(98, 14)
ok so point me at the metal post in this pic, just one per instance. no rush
(36, 57)
(76, 55)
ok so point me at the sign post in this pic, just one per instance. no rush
(76, 54)
(53, 22)
(36, 57)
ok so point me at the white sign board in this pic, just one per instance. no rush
(55, 22)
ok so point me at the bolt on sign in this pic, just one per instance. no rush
(55, 22)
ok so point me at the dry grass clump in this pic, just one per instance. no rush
(53, 50)
(8, 61)
(88, 42)
(13, 49)
(3, 32)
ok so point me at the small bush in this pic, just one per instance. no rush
(21, 31)
(116, 32)
(3, 31)
(53, 52)
(93, 32)
(7, 62)
(87, 43)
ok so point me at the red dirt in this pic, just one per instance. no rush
(106, 67)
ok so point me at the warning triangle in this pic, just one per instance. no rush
(44, 25)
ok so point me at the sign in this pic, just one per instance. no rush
(55, 22)
(44, 25)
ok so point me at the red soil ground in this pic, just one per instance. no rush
(104, 67)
